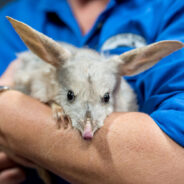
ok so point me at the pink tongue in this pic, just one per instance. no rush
(88, 134)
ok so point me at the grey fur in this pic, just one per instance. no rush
(88, 74)
(54, 69)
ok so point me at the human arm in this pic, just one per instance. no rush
(129, 148)
(10, 171)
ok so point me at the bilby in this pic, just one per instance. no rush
(81, 83)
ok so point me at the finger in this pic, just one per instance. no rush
(7, 77)
(24, 161)
(12, 176)
(5, 161)
(12, 160)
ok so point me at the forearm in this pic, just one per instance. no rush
(130, 148)
(29, 130)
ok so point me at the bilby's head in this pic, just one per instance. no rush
(88, 81)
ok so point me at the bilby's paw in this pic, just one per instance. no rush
(59, 115)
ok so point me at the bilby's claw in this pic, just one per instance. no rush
(59, 115)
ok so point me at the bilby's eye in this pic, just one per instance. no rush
(106, 98)
(70, 96)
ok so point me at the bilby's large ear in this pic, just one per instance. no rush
(43, 46)
(140, 59)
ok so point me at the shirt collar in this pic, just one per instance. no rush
(56, 5)
(50, 5)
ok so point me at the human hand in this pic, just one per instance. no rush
(7, 77)
(10, 172)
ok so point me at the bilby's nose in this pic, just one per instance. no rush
(88, 135)
(88, 132)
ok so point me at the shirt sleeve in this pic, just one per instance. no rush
(161, 89)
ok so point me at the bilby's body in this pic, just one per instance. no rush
(85, 74)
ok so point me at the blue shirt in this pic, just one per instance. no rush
(123, 25)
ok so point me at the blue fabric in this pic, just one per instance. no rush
(159, 90)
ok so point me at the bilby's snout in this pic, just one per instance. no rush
(88, 130)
